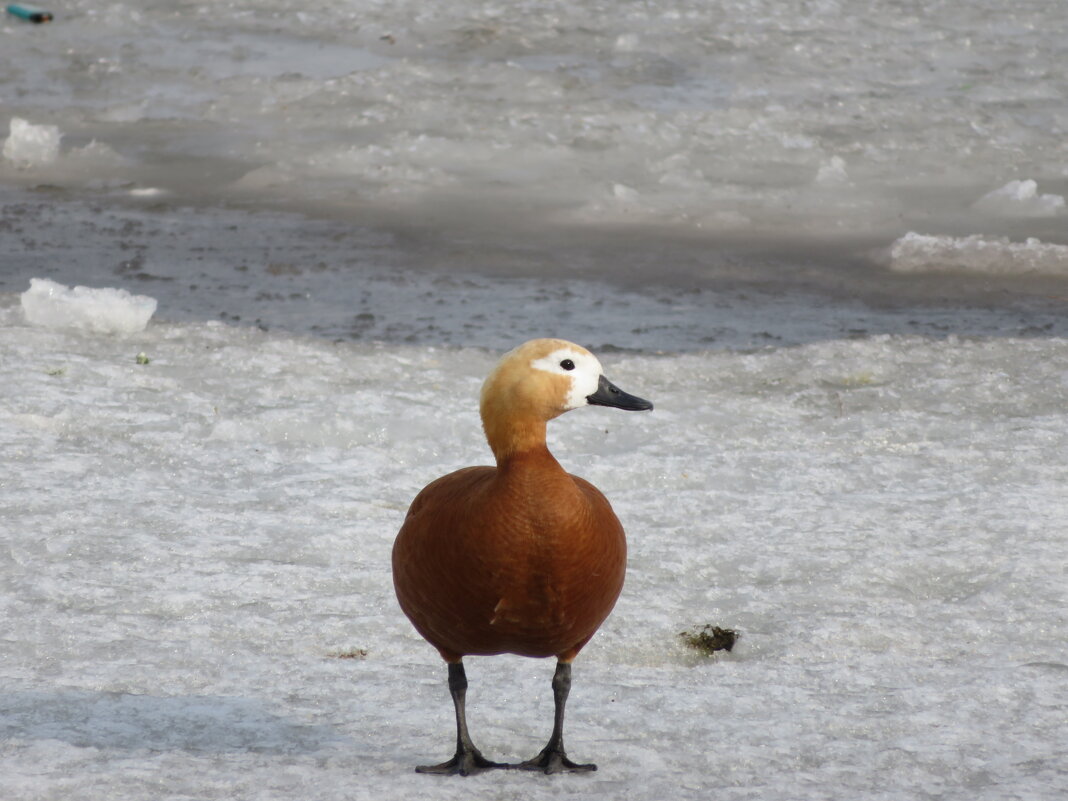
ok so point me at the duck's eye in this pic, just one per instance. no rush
(567, 364)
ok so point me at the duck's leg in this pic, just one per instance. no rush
(467, 759)
(552, 758)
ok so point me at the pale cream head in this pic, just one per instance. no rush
(531, 385)
(543, 376)
(578, 366)
(538, 381)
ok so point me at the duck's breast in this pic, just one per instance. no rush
(491, 561)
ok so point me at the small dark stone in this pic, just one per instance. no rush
(709, 639)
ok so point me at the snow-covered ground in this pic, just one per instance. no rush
(193, 546)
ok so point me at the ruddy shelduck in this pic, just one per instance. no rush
(519, 558)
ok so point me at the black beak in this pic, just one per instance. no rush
(608, 394)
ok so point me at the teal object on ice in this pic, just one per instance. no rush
(30, 14)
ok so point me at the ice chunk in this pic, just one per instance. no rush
(918, 253)
(833, 172)
(1020, 199)
(30, 145)
(107, 311)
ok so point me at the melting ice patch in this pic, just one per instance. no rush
(919, 253)
(832, 172)
(540, 109)
(1020, 199)
(30, 145)
(106, 311)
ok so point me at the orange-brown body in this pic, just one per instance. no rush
(521, 558)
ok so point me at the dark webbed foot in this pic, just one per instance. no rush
(554, 760)
(467, 760)
(463, 763)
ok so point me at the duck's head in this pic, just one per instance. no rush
(538, 381)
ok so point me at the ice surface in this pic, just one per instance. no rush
(103, 311)
(917, 253)
(1021, 199)
(717, 116)
(29, 145)
(187, 545)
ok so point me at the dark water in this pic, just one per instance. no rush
(425, 283)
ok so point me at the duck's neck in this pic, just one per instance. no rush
(510, 438)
